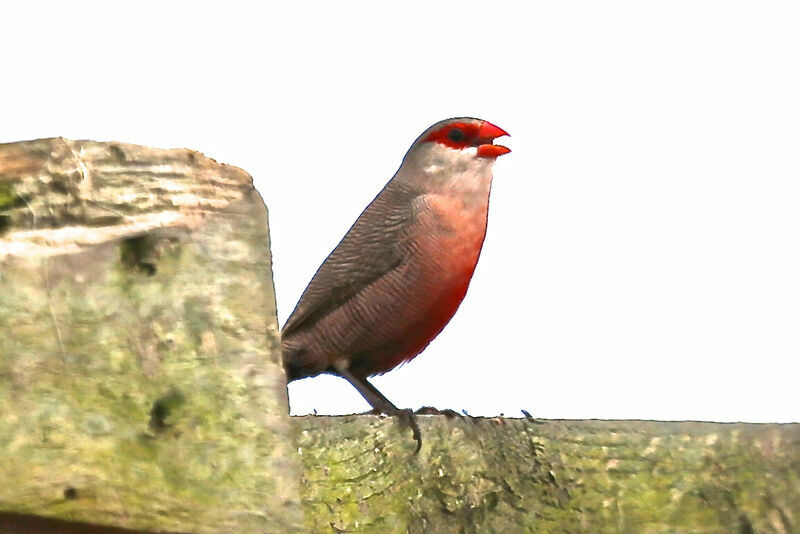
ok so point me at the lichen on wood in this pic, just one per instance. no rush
(140, 384)
(500, 475)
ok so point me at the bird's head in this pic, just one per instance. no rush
(452, 148)
(473, 136)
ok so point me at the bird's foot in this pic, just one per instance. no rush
(407, 417)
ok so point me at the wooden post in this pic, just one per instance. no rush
(140, 383)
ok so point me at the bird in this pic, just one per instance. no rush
(401, 271)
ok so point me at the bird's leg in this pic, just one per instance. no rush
(377, 400)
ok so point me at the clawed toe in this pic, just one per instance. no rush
(408, 417)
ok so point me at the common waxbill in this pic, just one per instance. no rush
(401, 271)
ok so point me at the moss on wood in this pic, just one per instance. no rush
(140, 384)
(521, 475)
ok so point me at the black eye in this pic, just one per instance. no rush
(456, 135)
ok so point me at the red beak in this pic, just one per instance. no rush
(489, 132)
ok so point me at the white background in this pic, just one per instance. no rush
(643, 252)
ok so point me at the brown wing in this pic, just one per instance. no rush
(371, 248)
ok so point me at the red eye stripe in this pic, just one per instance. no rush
(442, 135)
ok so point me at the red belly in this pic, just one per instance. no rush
(418, 334)
(445, 261)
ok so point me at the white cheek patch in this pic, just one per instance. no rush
(442, 163)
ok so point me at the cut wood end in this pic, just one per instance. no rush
(59, 196)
